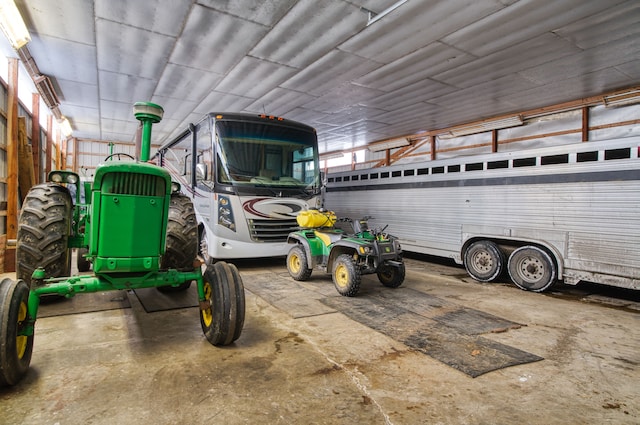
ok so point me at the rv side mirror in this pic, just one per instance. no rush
(201, 172)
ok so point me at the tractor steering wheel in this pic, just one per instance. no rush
(119, 156)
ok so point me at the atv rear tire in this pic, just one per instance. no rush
(297, 264)
(44, 227)
(182, 239)
(346, 275)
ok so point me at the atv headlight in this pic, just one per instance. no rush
(365, 250)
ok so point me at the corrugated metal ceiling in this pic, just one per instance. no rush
(428, 64)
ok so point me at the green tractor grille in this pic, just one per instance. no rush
(136, 184)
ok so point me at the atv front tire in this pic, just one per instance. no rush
(297, 264)
(346, 275)
(391, 276)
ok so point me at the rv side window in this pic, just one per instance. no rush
(364, 177)
(330, 180)
(346, 178)
(617, 154)
(587, 156)
(373, 175)
(498, 164)
(474, 167)
(396, 174)
(354, 178)
(453, 169)
(524, 162)
(409, 172)
(554, 159)
(384, 175)
(437, 170)
(423, 171)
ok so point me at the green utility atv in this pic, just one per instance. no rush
(135, 229)
(345, 248)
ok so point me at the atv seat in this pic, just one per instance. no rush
(329, 236)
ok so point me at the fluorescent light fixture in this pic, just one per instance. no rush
(375, 17)
(12, 24)
(620, 99)
(65, 127)
(46, 90)
(483, 126)
(389, 144)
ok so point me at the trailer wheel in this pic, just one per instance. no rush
(391, 276)
(182, 239)
(15, 350)
(297, 264)
(222, 312)
(484, 261)
(83, 264)
(43, 232)
(346, 275)
(532, 269)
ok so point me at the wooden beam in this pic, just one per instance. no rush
(35, 135)
(12, 163)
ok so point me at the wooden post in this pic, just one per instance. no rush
(35, 136)
(585, 123)
(12, 164)
(49, 147)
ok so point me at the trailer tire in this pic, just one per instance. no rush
(15, 350)
(391, 276)
(222, 311)
(182, 239)
(43, 232)
(484, 261)
(297, 264)
(532, 269)
(346, 275)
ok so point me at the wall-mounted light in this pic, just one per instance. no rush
(389, 144)
(12, 24)
(46, 90)
(331, 155)
(375, 17)
(620, 99)
(65, 127)
(483, 126)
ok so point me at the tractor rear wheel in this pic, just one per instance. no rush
(182, 239)
(15, 349)
(297, 264)
(222, 316)
(391, 276)
(43, 232)
(346, 275)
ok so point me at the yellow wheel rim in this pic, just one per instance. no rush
(342, 276)
(294, 263)
(207, 315)
(21, 340)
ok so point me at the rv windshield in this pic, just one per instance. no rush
(266, 154)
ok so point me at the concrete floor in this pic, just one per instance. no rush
(298, 362)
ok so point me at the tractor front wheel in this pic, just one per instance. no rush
(222, 311)
(346, 275)
(43, 232)
(15, 349)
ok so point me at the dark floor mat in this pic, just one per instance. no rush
(153, 300)
(287, 295)
(83, 303)
(468, 353)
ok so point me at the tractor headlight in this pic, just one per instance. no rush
(56, 177)
(175, 187)
(72, 178)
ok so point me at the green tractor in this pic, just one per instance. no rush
(137, 231)
(346, 249)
